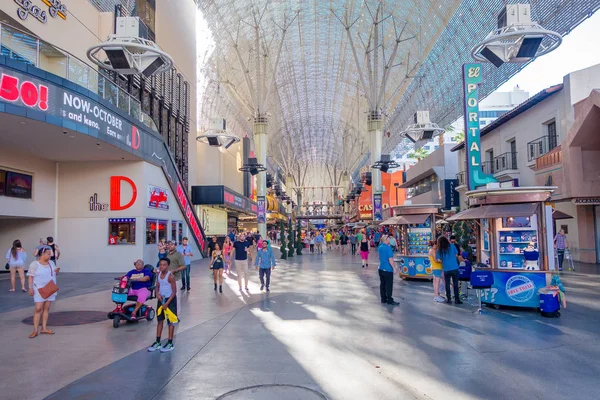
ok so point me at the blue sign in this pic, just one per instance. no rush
(262, 209)
(451, 195)
(517, 289)
(377, 207)
(472, 77)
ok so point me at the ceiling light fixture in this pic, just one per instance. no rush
(517, 39)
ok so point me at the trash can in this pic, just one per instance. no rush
(549, 303)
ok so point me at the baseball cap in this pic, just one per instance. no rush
(464, 254)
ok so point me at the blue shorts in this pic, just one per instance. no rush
(437, 273)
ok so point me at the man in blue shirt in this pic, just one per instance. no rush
(265, 261)
(185, 249)
(241, 260)
(386, 271)
(319, 240)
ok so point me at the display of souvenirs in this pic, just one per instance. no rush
(513, 244)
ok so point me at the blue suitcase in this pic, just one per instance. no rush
(549, 305)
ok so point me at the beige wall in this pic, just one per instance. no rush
(82, 23)
(28, 231)
(176, 34)
(83, 232)
(42, 205)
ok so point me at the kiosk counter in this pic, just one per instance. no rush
(514, 240)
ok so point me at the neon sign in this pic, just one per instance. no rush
(27, 92)
(189, 214)
(472, 77)
(115, 193)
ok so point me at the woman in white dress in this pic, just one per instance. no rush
(40, 273)
(15, 257)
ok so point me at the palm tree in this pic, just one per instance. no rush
(419, 154)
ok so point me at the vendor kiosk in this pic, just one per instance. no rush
(417, 227)
(514, 240)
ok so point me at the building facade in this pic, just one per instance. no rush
(518, 150)
(97, 161)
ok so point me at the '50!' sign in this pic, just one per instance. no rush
(26, 92)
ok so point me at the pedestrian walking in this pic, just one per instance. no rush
(217, 265)
(166, 306)
(227, 250)
(311, 243)
(36, 252)
(561, 244)
(386, 271)
(352, 240)
(328, 240)
(436, 270)
(176, 264)
(447, 254)
(319, 240)
(241, 261)
(185, 249)
(265, 262)
(55, 249)
(344, 242)
(41, 276)
(364, 252)
(15, 258)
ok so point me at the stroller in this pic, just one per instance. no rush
(120, 296)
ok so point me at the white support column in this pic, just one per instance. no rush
(260, 142)
(375, 129)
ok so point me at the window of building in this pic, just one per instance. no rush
(156, 230)
(121, 231)
(552, 135)
(423, 186)
(177, 231)
(16, 184)
(513, 154)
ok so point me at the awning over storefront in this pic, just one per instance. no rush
(560, 215)
(496, 211)
(406, 219)
(223, 196)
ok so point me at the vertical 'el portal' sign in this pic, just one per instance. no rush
(471, 80)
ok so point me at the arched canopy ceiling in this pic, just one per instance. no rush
(296, 62)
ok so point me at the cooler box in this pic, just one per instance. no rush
(549, 304)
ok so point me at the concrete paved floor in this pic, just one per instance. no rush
(321, 328)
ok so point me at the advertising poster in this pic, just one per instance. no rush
(18, 185)
(213, 220)
(377, 207)
(516, 289)
(158, 198)
(262, 209)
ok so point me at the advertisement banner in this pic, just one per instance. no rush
(158, 198)
(262, 209)
(39, 95)
(213, 220)
(377, 207)
(472, 78)
(518, 289)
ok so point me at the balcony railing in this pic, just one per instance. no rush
(19, 45)
(504, 162)
(462, 178)
(540, 146)
(488, 167)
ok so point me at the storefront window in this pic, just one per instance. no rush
(177, 231)
(155, 230)
(15, 184)
(151, 231)
(423, 186)
(121, 231)
(162, 229)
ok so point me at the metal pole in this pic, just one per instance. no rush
(375, 126)
(260, 140)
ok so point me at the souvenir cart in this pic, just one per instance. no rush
(416, 224)
(514, 240)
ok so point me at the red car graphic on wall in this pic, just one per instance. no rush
(159, 198)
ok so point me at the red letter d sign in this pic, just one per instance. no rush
(115, 193)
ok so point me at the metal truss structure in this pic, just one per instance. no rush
(325, 83)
